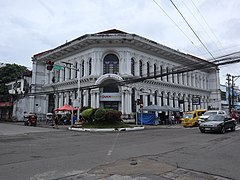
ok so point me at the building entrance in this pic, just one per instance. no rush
(111, 105)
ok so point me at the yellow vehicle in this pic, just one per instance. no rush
(190, 118)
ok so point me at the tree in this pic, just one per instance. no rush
(8, 73)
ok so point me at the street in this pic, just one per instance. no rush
(154, 153)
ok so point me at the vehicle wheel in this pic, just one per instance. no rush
(202, 131)
(233, 128)
(223, 130)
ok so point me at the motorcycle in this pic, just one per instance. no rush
(30, 119)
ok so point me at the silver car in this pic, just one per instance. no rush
(218, 123)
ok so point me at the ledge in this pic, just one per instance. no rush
(105, 130)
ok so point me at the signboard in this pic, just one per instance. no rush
(196, 100)
(110, 97)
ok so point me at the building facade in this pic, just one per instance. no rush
(113, 69)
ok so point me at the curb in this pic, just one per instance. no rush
(105, 130)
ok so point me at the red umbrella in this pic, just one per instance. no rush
(65, 107)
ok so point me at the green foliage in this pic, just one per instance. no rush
(86, 114)
(9, 73)
(104, 124)
(84, 108)
(99, 114)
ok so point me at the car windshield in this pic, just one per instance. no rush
(187, 115)
(216, 118)
(209, 113)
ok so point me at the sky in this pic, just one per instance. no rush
(203, 28)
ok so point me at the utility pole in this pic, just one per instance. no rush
(233, 91)
(229, 97)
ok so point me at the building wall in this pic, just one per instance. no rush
(167, 90)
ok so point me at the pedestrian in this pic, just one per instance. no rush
(55, 120)
(171, 119)
(234, 114)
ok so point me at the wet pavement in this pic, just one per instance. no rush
(141, 168)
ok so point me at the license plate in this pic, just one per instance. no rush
(207, 129)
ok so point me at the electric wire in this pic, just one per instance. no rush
(177, 26)
(218, 41)
(191, 29)
(200, 25)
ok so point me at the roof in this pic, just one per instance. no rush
(115, 36)
(112, 31)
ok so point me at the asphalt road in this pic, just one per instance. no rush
(154, 153)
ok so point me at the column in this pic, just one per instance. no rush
(129, 102)
(152, 98)
(55, 101)
(72, 72)
(85, 94)
(136, 67)
(97, 99)
(47, 74)
(60, 99)
(145, 100)
(128, 63)
(67, 70)
(123, 103)
(189, 79)
(61, 75)
(194, 80)
(171, 100)
(93, 104)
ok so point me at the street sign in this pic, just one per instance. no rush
(57, 67)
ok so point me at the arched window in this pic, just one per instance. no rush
(167, 71)
(162, 98)
(90, 66)
(76, 72)
(168, 98)
(161, 72)
(173, 80)
(89, 98)
(133, 101)
(82, 68)
(155, 70)
(110, 64)
(132, 67)
(149, 100)
(140, 68)
(155, 97)
(148, 69)
(174, 105)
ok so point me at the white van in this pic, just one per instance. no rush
(207, 114)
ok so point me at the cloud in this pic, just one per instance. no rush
(31, 26)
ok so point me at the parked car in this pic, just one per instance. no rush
(218, 123)
(207, 114)
(190, 118)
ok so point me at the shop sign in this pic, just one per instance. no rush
(196, 100)
(110, 97)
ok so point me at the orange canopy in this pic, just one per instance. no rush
(65, 107)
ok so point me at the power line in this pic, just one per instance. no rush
(201, 26)
(208, 27)
(177, 25)
(192, 29)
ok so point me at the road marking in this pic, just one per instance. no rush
(113, 145)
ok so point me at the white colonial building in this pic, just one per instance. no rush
(102, 69)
